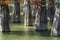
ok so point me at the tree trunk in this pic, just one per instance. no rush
(51, 10)
(42, 20)
(0, 20)
(16, 15)
(5, 18)
(55, 30)
(37, 18)
(35, 14)
(27, 12)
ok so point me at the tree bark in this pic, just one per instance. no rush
(5, 18)
(37, 18)
(28, 14)
(16, 15)
(55, 30)
(34, 9)
(51, 10)
(33, 13)
(42, 23)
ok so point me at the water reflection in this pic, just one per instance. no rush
(1, 38)
(54, 38)
(26, 30)
(27, 35)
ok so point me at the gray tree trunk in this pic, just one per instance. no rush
(36, 14)
(16, 15)
(51, 10)
(28, 14)
(37, 18)
(42, 20)
(55, 30)
(5, 18)
(34, 9)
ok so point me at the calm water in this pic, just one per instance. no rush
(27, 35)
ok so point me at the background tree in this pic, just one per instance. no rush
(16, 15)
(41, 23)
(55, 30)
(43, 16)
(51, 10)
(35, 8)
(27, 13)
(36, 5)
(5, 16)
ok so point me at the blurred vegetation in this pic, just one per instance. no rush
(16, 27)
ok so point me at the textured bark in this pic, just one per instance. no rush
(33, 14)
(55, 30)
(5, 18)
(27, 12)
(16, 15)
(33, 11)
(51, 10)
(42, 20)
